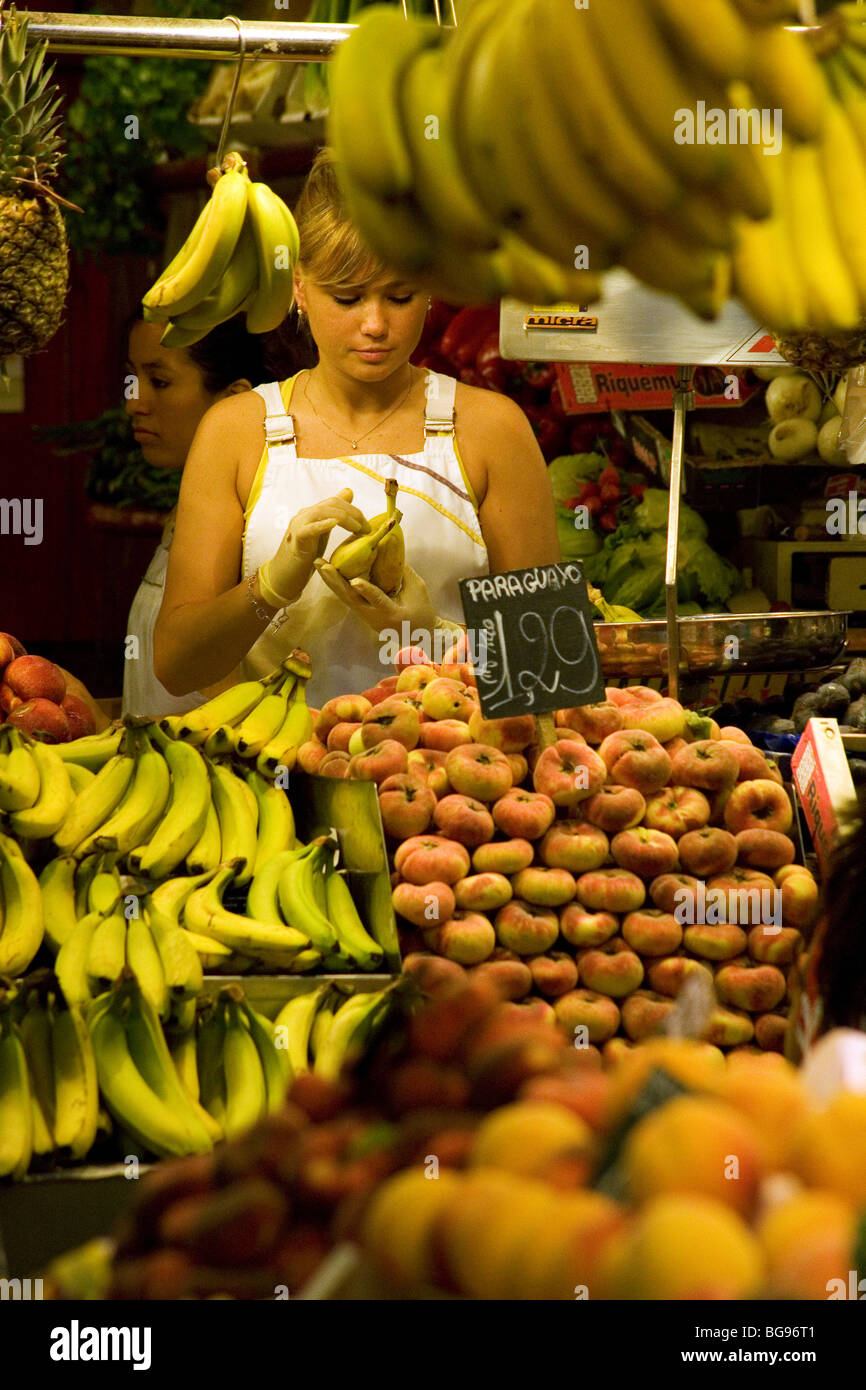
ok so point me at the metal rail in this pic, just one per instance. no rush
(209, 39)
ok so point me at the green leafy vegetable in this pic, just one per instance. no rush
(570, 470)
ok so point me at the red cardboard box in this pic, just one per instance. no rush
(822, 777)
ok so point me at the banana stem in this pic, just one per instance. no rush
(391, 494)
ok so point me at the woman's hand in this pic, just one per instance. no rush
(377, 609)
(286, 574)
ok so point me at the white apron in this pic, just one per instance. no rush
(440, 524)
(143, 694)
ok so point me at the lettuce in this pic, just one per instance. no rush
(652, 515)
(575, 544)
(570, 470)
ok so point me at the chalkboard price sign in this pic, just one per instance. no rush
(532, 639)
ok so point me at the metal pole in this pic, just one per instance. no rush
(683, 399)
(208, 39)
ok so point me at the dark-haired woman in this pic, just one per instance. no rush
(174, 388)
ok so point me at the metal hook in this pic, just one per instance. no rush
(230, 104)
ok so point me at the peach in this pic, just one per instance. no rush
(525, 928)
(568, 772)
(337, 764)
(382, 690)
(648, 853)
(651, 932)
(478, 771)
(770, 1031)
(673, 891)
(523, 814)
(554, 974)
(612, 968)
(79, 716)
(379, 761)
(667, 975)
(644, 1013)
(444, 734)
(728, 1027)
(8, 699)
(544, 887)
(343, 709)
(432, 974)
(633, 694)
(695, 1144)
(483, 892)
(339, 736)
(511, 977)
(463, 818)
(677, 810)
(715, 943)
(673, 746)
(467, 938)
(7, 652)
(708, 851)
(410, 656)
(636, 759)
(664, 719)
(586, 1009)
(392, 719)
(764, 849)
(406, 805)
(614, 808)
(611, 890)
(519, 768)
(769, 1091)
(774, 945)
(428, 858)
(749, 985)
(310, 755)
(35, 678)
(807, 1243)
(40, 718)
(707, 764)
(758, 805)
(502, 856)
(830, 1148)
(18, 649)
(424, 904)
(447, 699)
(582, 928)
(752, 762)
(613, 1052)
(731, 734)
(800, 899)
(510, 735)
(415, 677)
(574, 845)
(749, 897)
(594, 722)
(682, 1246)
(430, 763)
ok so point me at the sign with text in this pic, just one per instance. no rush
(534, 627)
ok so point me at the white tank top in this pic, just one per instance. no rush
(440, 524)
(143, 694)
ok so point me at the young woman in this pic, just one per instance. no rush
(273, 472)
(175, 387)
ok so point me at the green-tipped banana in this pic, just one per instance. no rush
(35, 1026)
(349, 1030)
(263, 899)
(92, 751)
(354, 939)
(246, 1092)
(210, 1040)
(149, 1050)
(16, 1112)
(228, 297)
(297, 894)
(275, 1063)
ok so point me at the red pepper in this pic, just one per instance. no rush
(467, 331)
(608, 521)
(489, 364)
(609, 476)
(539, 374)
(610, 494)
(593, 505)
(637, 490)
(588, 490)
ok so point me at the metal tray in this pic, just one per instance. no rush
(764, 642)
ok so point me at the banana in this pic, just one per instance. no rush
(103, 892)
(76, 1089)
(298, 904)
(184, 818)
(274, 1061)
(850, 88)
(353, 559)
(353, 938)
(16, 1115)
(79, 777)
(149, 1051)
(180, 962)
(143, 959)
(57, 882)
(160, 1128)
(305, 961)
(246, 1092)
(785, 75)
(107, 954)
(213, 955)
(168, 898)
(263, 902)
(178, 262)
(206, 853)
(277, 247)
(296, 728)
(71, 963)
(349, 1030)
(276, 821)
(714, 37)
(92, 751)
(265, 720)
(220, 742)
(230, 295)
(843, 166)
(226, 708)
(48, 812)
(205, 915)
(183, 1054)
(210, 1040)
(322, 1024)
(84, 875)
(530, 275)
(366, 134)
(23, 925)
(35, 1028)
(214, 246)
(386, 570)
(831, 293)
(19, 775)
(293, 1026)
(237, 825)
(140, 811)
(92, 807)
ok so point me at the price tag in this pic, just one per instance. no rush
(532, 631)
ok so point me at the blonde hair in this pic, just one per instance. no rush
(332, 252)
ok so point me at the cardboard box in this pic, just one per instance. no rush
(819, 766)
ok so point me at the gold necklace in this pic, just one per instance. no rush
(349, 440)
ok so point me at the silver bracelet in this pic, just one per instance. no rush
(251, 595)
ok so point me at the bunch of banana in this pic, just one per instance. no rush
(315, 898)
(323, 1031)
(242, 1074)
(378, 555)
(16, 1104)
(480, 164)
(92, 751)
(239, 256)
(268, 940)
(138, 1079)
(35, 788)
(22, 920)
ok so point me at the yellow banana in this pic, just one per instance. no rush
(786, 76)
(16, 1115)
(714, 36)
(141, 810)
(237, 824)
(274, 1061)
(35, 1027)
(79, 777)
(183, 1054)
(92, 751)
(352, 936)
(213, 955)
(185, 816)
(107, 954)
(263, 903)
(24, 924)
(350, 1028)
(246, 1092)
(263, 722)
(19, 775)
(228, 707)
(169, 897)
(277, 245)
(70, 966)
(276, 821)
(143, 960)
(831, 293)
(205, 915)
(180, 962)
(220, 742)
(296, 728)
(206, 853)
(214, 247)
(297, 894)
(57, 881)
(209, 1058)
(227, 299)
(41, 820)
(843, 165)
(76, 1089)
(293, 1026)
(92, 807)
(177, 263)
(149, 1051)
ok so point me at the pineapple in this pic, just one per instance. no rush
(34, 270)
(820, 353)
